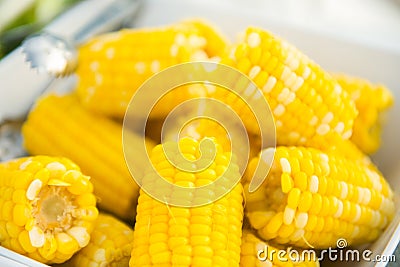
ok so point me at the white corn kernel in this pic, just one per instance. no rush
(283, 95)
(140, 67)
(285, 165)
(288, 215)
(289, 99)
(339, 127)
(80, 234)
(323, 129)
(299, 82)
(180, 39)
(306, 73)
(339, 210)
(25, 164)
(36, 236)
(344, 190)
(328, 118)
(301, 220)
(254, 71)
(155, 66)
(174, 50)
(269, 84)
(285, 74)
(279, 110)
(56, 166)
(100, 255)
(314, 184)
(347, 134)
(94, 66)
(34, 189)
(110, 53)
(254, 39)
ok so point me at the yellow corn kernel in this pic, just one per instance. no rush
(372, 102)
(110, 244)
(257, 253)
(189, 236)
(112, 66)
(60, 126)
(351, 193)
(40, 224)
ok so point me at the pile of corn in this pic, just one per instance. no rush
(321, 187)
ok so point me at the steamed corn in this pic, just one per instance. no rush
(114, 65)
(110, 245)
(208, 235)
(372, 102)
(59, 126)
(47, 208)
(311, 199)
(309, 106)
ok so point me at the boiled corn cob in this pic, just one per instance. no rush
(311, 199)
(309, 106)
(110, 245)
(208, 235)
(47, 208)
(372, 101)
(113, 66)
(258, 253)
(58, 125)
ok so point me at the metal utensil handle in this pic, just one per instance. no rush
(92, 17)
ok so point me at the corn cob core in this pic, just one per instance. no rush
(114, 65)
(251, 245)
(59, 125)
(110, 245)
(372, 102)
(311, 199)
(309, 106)
(47, 208)
(208, 235)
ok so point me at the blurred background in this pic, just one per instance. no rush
(376, 22)
(23, 17)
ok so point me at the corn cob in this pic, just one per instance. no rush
(372, 101)
(208, 235)
(110, 245)
(47, 208)
(311, 198)
(309, 106)
(257, 253)
(113, 66)
(58, 125)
